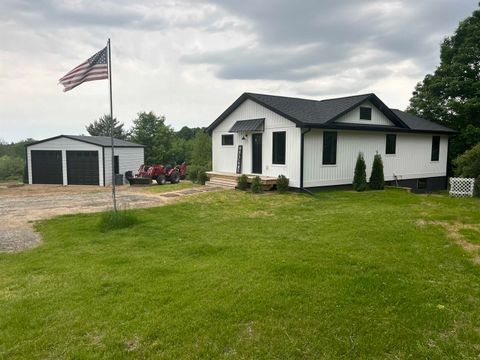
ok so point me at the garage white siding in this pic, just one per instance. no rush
(129, 159)
(412, 158)
(64, 144)
(224, 158)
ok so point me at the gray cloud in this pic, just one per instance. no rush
(188, 59)
(337, 36)
(147, 15)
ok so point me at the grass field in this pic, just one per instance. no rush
(230, 275)
(184, 184)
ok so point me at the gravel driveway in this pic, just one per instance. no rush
(21, 205)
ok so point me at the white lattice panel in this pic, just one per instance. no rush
(461, 187)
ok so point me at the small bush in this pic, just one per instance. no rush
(360, 177)
(197, 174)
(242, 182)
(257, 186)
(120, 219)
(468, 164)
(192, 173)
(377, 180)
(11, 168)
(282, 183)
(202, 177)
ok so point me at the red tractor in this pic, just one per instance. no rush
(161, 174)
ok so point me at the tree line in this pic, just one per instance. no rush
(12, 160)
(163, 145)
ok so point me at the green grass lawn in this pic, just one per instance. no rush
(184, 184)
(232, 275)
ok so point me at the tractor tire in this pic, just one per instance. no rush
(175, 177)
(161, 179)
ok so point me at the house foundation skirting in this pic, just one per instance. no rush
(418, 185)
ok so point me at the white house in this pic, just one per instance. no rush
(316, 143)
(80, 160)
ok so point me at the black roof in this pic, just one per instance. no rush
(104, 141)
(417, 123)
(308, 113)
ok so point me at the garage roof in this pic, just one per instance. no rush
(103, 141)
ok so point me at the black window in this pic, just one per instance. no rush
(279, 147)
(329, 148)
(435, 148)
(365, 113)
(227, 139)
(391, 146)
(116, 164)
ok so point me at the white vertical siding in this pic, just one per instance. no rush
(412, 158)
(224, 158)
(353, 116)
(129, 159)
(64, 144)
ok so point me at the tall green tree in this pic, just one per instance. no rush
(102, 127)
(201, 153)
(377, 179)
(186, 133)
(451, 95)
(150, 130)
(360, 175)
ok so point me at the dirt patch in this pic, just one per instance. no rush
(20, 206)
(454, 232)
(132, 345)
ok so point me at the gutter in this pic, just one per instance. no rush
(302, 153)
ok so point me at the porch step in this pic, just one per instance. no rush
(226, 183)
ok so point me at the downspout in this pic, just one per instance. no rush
(302, 153)
(448, 163)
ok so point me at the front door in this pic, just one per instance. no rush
(257, 153)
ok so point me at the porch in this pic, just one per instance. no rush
(229, 180)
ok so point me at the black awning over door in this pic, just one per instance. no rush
(252, 125)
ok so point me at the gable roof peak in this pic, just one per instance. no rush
(319, 113)
(366, 95)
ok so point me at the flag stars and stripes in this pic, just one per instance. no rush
(95, 68)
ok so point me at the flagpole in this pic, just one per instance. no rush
(111, 126)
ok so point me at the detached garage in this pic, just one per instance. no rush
(80, 160)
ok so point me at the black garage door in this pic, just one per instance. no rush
(46, 167)
(82, 167)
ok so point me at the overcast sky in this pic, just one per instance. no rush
(189, 60)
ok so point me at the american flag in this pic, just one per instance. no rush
(95, 68)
